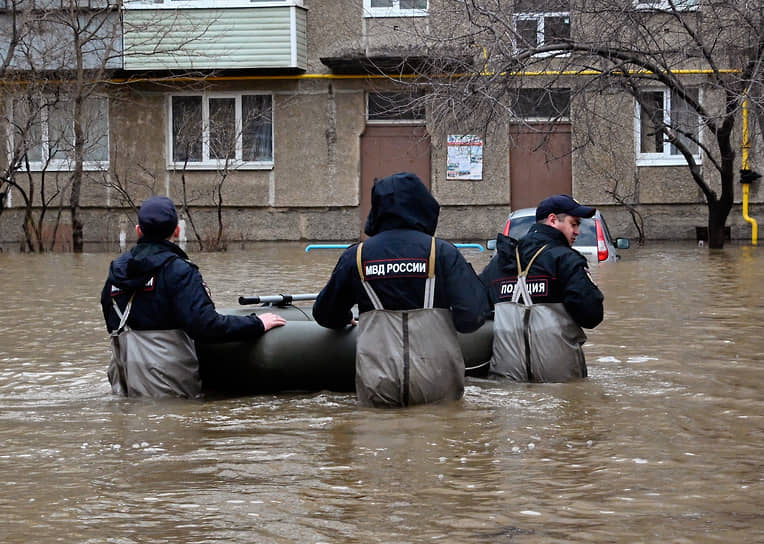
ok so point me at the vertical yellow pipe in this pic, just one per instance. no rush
(746, 186)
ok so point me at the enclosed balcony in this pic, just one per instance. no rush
(214, 35)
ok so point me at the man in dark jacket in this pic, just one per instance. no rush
(541, 339)
(413, 291)
(155, 304)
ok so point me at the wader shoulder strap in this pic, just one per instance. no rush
(521, 288)
(123, 315)
(429, 284)
(369, 291)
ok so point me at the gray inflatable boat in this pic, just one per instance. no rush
(301, 355)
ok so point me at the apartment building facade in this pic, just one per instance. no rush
(271, 119)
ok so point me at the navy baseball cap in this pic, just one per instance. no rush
(562, 204)
(157, 218)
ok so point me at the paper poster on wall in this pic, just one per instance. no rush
(465, 157)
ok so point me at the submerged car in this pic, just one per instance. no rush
(594, 240)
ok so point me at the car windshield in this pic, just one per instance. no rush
(586, 237)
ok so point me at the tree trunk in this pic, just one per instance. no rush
(717, 217)
(74, 208)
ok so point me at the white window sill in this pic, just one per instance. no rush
(385, 12)
(664, 161)
(220, 166)
(665, 6)
(90, 166)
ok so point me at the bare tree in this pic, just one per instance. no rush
(70, 50)
(702, 57)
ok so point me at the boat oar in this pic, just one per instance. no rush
(277, 300)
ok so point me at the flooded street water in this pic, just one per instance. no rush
(663, 443)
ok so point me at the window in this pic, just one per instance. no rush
(542, 104)
(665, 5)
(664, 108)
(43, 129)
(214, 130)
(395, 8)
(399, 107)
(540, 22)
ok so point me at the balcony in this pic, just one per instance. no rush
(214, 35)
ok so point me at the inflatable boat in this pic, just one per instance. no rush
(302, 355)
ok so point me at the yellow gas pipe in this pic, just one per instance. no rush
(745, 165)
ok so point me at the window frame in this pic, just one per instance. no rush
(563, 117)
(209, 4)
(540, 18)
(410, 121)
(394, 11)
(237, 163)
(665, 158)
(56, 164)
(663, 5)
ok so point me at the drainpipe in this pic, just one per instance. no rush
(747, 176)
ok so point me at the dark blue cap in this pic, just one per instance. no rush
(562, 204)
(157, 218)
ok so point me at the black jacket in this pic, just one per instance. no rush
(401, 224)
(170, 294)
(559, 274)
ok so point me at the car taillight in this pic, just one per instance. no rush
(506, 227)
(602, 252)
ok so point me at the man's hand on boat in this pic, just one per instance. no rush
(271, 320)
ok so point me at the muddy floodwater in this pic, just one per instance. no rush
(663, 443)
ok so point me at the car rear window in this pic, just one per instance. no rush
(520, 225)
(587, 235)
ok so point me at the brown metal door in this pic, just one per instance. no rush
(539, 163)
(388, 149)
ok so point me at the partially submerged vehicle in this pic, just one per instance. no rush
(302, 355)
(594, 240)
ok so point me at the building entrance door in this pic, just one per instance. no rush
(388, 149)
(539, 163)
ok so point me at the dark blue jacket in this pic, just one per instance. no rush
(401, 224)
(170, 294)
(559, 274)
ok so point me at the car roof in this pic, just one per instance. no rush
(522, 212)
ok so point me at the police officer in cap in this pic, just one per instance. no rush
(156, 304)
(543, 295)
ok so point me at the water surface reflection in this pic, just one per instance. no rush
(662, 443)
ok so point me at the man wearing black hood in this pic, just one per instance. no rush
(155, 304)
(413, 291)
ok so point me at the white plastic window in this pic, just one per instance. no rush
(42, 131)
(221, 131)
(395, 8)
(664, 108)
(538, 29)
